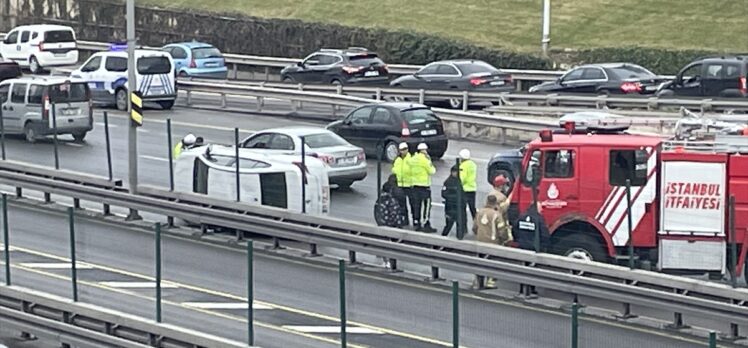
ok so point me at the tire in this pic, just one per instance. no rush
(603, 92)
(437, 156)
(288, 80)
(390, 152)
(166, 104)
(580, 246)
(29, 132)
(34, 66)
(336, 82)
(79, 137)
(120, 99)
(183, 75)
(665, 93)
(455, 103)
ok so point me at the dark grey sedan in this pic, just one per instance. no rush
(457, 75)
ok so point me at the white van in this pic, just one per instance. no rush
(265, 180)
(106, 74)
(40, 46)
(35, 105)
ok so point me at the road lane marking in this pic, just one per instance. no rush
(332, 329)
(505, 302)
(136, 285)
(73, 144)
(154, 158)
(56, 265)
(193, 125)
(241, 298)
(102, 124)
(225, 305)
(167, 302)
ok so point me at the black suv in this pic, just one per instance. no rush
(353, 65)
(723, 76)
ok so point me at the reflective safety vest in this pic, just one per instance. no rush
(401, 169)
(177, 150)
(422, 170)
(468, 170)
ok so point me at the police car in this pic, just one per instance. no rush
(106, 75)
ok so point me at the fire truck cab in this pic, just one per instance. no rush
(680, 198)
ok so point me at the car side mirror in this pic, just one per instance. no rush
(300, 64)
(347, 122)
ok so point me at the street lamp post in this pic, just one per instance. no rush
(132, 130)
(546, 40)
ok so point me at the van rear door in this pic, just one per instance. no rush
(59, 42)
(71, 105)
(156, 77)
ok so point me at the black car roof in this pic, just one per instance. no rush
(608, 65)
(741, 57)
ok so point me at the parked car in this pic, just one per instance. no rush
(723, 76)
(40, 46)
(197, 59)
(457, 75)
(9, 69)
(347, 162)
(379, 128)
(106, 74)
(32, 106)
(353, 65)
(607, 78)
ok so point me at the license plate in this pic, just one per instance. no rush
(651, 88)
(371, 73)
(429, 132)
(69, 112)
(497, 83)
(347, 160)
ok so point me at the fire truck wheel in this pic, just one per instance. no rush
(582, 247)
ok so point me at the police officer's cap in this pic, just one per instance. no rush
(423, 146)
(403, 146)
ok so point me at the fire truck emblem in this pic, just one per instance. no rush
(553, 202)
(553, 192)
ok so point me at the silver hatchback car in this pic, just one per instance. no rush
(33, 106)
(347, 163)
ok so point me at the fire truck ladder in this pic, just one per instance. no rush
(697, 133)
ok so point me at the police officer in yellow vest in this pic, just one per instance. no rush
(468, 172)
(401, 169)
(422, 170)
(187, 142)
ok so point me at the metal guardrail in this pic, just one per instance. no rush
(633, 287)
(90, 326)
(277, 63)
(335, 100)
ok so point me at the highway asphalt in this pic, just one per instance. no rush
(217, 127)
(296, 298)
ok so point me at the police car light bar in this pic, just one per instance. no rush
(118, 47)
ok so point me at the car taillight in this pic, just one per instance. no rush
(361, 156)
(386, 68)
(324, 158)
(631, 87)
(352, 69)
(743, 84)
(406, 131)
(193, 64)
(477, 81)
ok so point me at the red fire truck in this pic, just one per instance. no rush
(680, 194)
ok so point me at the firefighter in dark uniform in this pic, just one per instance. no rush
(524, 235)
